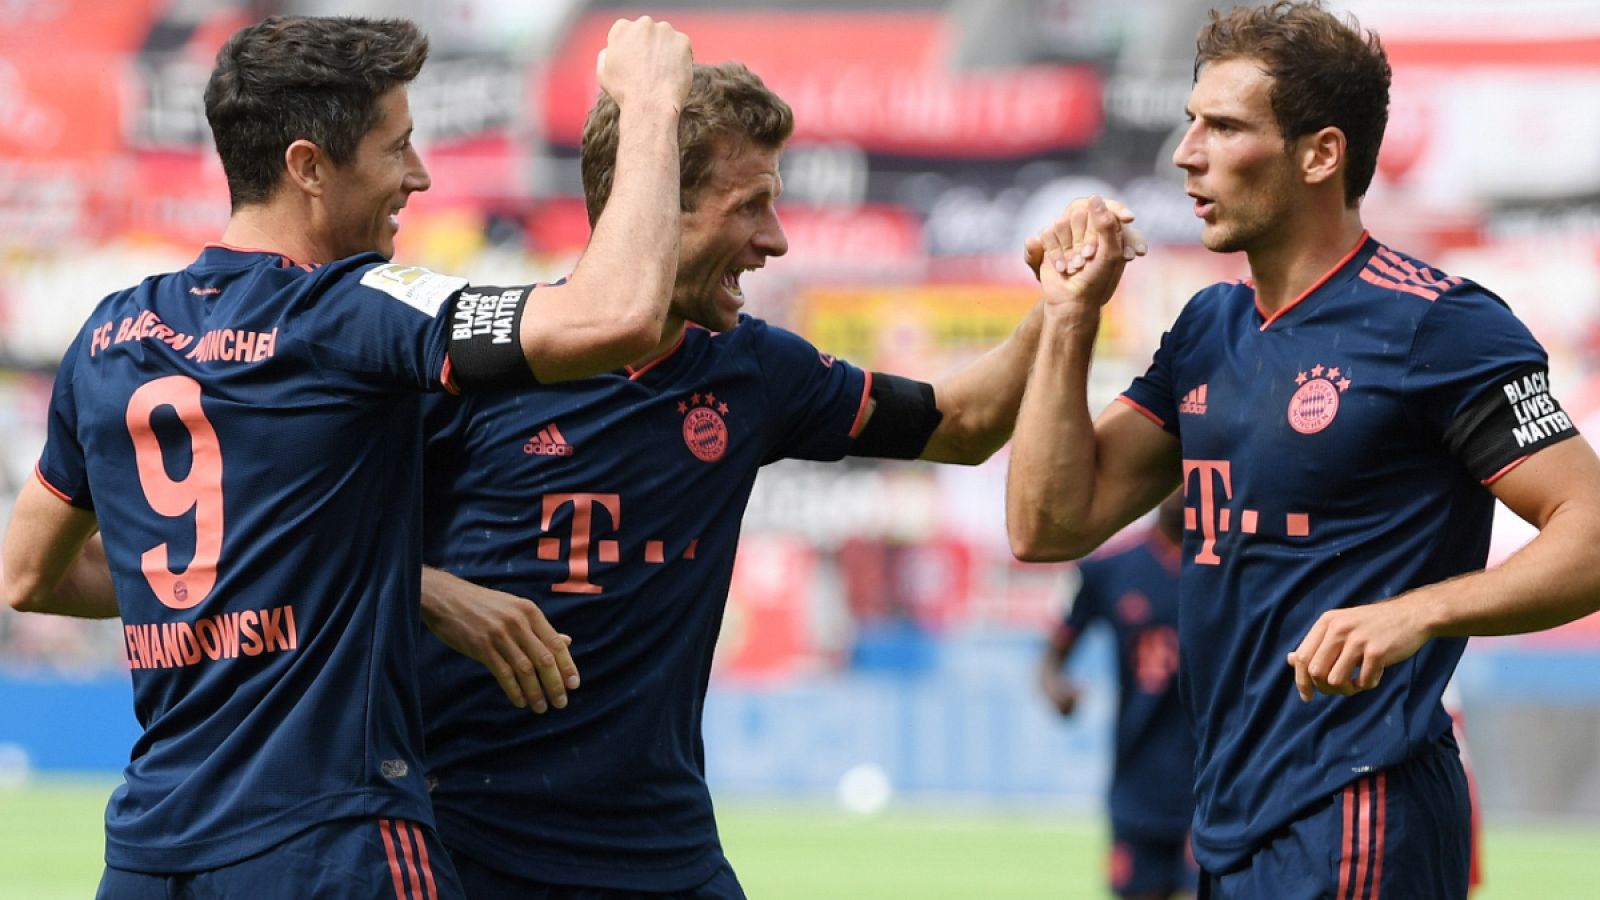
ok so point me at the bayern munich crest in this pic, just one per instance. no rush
(705, 432)
(1316, 402)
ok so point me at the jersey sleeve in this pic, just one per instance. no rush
(1152, 393)
(62, 468)
(444, 422)
(444, 426)
(1477, 377)
(385, 324)
(817, 401)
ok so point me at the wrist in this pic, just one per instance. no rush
(1072, 315)
(1429, 611)
(658, 109)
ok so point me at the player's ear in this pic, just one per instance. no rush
(307, 167)
(1321, 154)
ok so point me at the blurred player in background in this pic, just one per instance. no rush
(1341, 424)
(245, 433)
(616, 503)
(1135, 592)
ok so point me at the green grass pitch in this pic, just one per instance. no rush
(50, 846)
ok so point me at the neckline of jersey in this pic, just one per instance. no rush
(1361, 244)
(634, 374)
(288, 260)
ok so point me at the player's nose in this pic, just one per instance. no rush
(770, 238)
(1187, 155)
(417, 177)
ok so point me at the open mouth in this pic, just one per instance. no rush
(1203, 206)
(730, 280)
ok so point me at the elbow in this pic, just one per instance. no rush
(641, 332)
(976, 449)
(23, 596)
(1047, 540)
(1044, 527)
(952, 454)
(1026, 551)
(633, 335)
(594, 349)
(1032, 547)
(963, 442)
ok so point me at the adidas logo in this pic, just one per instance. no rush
(548, 442)
(1194, 402)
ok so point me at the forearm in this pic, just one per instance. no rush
(1053, 682)
(632, 258)
(620, 289)
(980, 401)
(1050, 484)
(1553, 580)
(447, 598)
(86, 590)
(1049, 674)
(436, 585)
(507, 634)
(54, 561)
(1055, 658)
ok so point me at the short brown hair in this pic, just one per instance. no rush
(317, 78)
(725, 101)
(1325, 72)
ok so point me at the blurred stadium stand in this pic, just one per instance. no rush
(876, 615)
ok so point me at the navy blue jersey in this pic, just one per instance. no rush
(1135, 592)
(1317, 476)
(247, 432)
(615, 503)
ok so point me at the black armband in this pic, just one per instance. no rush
(903, 418)
(486, 338)
(1511, 420)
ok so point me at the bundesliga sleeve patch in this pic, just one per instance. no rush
(1517, 417)
(421, 289)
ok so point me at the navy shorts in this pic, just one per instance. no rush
(1403, 832)
(348, 859)
(1145, 866)
(484, 883)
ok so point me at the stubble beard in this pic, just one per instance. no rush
(1250, 227)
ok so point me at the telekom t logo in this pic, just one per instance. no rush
(584, 531)
(582, 534)
(1211, 482)
(1201, 479)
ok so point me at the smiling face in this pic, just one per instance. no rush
(364, 198)
(732, 229)
(1242, 176)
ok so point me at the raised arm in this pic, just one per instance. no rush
(1551, 581)
(54, 562)
(979, 401)
(1074, 481)
(611, 310)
